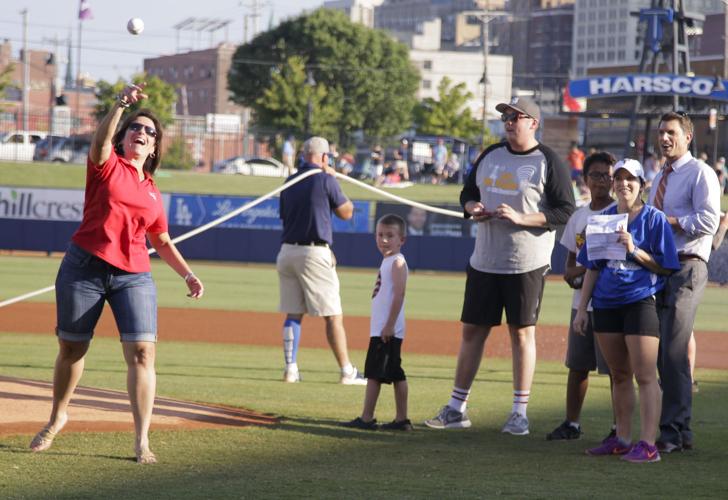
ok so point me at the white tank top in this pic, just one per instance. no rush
(382, 299)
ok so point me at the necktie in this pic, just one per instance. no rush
(660, 194)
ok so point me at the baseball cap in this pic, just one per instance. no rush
(632, 166)
(524, 105)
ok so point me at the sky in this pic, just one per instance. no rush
(109, 52)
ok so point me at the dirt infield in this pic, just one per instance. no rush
(26, 403)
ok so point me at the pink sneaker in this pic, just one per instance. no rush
(610, 446)
(642, 453)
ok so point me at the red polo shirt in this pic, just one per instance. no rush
(118, 212)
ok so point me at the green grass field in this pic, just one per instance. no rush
(309, 455)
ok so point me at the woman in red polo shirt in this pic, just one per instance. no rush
(107, 261)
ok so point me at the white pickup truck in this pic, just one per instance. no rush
(19, 145)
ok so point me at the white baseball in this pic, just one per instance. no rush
(135, 26)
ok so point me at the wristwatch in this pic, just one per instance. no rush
(122, 100)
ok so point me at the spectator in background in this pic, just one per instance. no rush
(439, 159)
(651, 168)
(400, 165)
(377, 161)
(451, 167)
(720, 165)
(575, 159)
(289, 155)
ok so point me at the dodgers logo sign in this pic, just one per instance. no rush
(649, 84)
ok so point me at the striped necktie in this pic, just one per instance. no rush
(660, 194)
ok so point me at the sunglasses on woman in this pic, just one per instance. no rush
(137, 127)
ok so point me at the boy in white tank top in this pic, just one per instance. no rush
(384, 364)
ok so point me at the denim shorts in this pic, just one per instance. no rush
(85, 282)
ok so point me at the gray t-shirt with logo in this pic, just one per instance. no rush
(530, 182)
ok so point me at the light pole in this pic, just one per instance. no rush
(484, 17)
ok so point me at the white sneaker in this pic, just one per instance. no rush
(354, 378)
(291, 376)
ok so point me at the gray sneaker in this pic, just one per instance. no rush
(449, 418)
(516, 424)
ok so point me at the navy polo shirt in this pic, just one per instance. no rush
(307, 205)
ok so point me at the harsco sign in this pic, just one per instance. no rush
(649, 84)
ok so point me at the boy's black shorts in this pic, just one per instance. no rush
(384, 363)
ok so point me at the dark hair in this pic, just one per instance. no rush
(682, 118)
(153, 160)
(600, 157)
(394, 220)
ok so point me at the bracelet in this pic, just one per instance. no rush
(633, 254)
(122, 100)
(188, 276)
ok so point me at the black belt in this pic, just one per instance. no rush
(688, 256)
(307, 243)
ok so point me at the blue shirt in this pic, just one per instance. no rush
(622, 282)
(306, 207)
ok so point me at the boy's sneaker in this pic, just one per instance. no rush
(358, 423)
(642, 453)
(610, 446)
(402, 425)
(516, 424)
(564, 431)
(291, 376)
(449, 418)
(612, 433)
(354, 378)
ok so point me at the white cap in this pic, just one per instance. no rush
(632, 166)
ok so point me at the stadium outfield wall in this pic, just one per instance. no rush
(43, 220)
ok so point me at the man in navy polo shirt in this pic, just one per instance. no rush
(306, 265)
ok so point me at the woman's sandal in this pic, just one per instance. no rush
(146, 457)
(43, 440)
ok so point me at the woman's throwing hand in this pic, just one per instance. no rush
(580, 321)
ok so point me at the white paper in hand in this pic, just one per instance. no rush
(601, 237)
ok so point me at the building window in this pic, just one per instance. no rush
(427, 64)
(426, 84)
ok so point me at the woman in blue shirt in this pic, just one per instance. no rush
(625, 315)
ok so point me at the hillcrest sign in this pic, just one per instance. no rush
(649, 84)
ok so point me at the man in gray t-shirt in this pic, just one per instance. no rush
(518, 192)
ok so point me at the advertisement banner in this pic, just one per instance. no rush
(64, 205)
(423, 223)
(650, 84)
(196, 210)
(41, 204)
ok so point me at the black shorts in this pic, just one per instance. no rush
(384, 363)
(487, 294)
(637, 318)
(583, 353)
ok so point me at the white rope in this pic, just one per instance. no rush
(250, 205)
(404, 201)
(188, 234)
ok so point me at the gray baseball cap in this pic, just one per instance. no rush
(524, 105)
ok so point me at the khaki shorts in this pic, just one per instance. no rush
(308, 281)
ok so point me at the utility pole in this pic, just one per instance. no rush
(484, 17)
(26, 70)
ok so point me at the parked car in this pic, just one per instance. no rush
(42, 147)
(72, 149)
(19, 145)
(261, 167)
